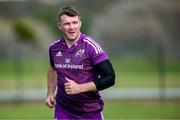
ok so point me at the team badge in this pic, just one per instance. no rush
(67, 60)
(80, 52)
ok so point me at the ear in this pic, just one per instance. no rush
(80, 23)
(59, 25)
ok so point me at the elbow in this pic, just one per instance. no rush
(113, 79)
(112, 83)
(105, 82)
(110, 80)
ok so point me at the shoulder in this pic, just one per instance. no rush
(92, 45)
(55, 44)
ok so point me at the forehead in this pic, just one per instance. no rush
(65, 18)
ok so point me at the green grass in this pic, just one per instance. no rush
(142, 110)
(25, 111)
(129, 73)
(113, 110)
(34, 74)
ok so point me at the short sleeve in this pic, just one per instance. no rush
(96, 53)
(51, 58)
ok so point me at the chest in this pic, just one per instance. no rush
(77, 59)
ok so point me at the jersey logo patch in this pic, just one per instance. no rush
(80, 53)
(59, 53)
(67, 60)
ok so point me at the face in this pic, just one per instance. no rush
(70, 27)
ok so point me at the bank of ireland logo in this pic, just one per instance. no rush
(59, 53)
(67, 60)
(80, 52)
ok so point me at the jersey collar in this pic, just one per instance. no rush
(75, 44)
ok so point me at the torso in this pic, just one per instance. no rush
(77, 63)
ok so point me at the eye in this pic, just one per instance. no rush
(75, 22)
(66, 23)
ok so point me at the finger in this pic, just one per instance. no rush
(68, 80)
(48, 103)
(68, 87)
(53, 101)
(67, 90)
(67, 84)
(69, 93)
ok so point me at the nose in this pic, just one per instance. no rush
(71, 26)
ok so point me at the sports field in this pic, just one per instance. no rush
(113, 110)
(129, 74)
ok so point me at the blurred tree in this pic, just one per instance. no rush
(24, 33)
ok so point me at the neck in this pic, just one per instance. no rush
(69, 42)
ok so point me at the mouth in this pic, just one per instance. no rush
(71, 33)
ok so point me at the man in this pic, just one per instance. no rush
(79, 68)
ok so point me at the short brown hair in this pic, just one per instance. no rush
(69, 11)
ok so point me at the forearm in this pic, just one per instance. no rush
(52, 81)
(88, 87)
(106, 80)
(100, 84)
(107, 74)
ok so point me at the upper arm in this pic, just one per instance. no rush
(51, 68)
(52, 74)
(105, 68)
(107, 75)
(95, 52)
(51, 61)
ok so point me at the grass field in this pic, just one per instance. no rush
(129, 73)
(113, 110)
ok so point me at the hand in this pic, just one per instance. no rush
(71, 87)
(50, 101)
